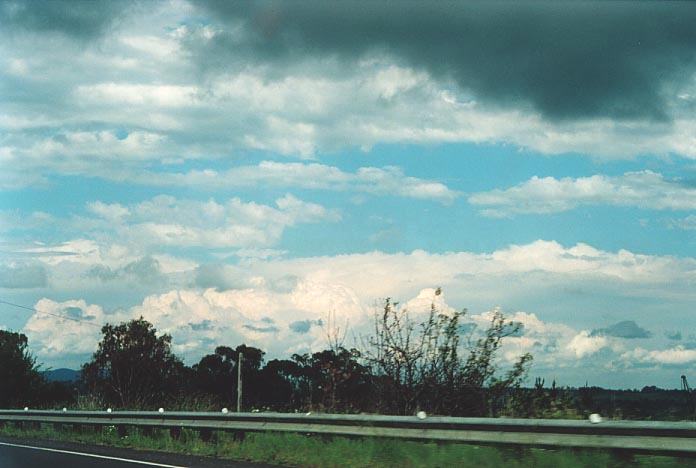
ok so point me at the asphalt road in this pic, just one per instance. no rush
(40, 454)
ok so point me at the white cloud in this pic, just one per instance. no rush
(165, 220)
(672, 356)
(388, 180)
(201, 320)
(81, 251)
(111, 212)
(140, 82)
(583, 344)
(78, 336)
(137, 95)
(645, 189)
(257, 299)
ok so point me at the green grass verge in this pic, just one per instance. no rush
(306, 451)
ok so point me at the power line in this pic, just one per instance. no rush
(65, 317)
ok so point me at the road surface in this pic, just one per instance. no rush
(24, 453)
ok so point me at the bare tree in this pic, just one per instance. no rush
(426, 366)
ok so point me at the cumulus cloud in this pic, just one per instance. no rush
(645, 189)
(279, 322)
(584, 344)
(281, 304)
(79, 333)
(282, 316)
(294, 321)
(195, 318)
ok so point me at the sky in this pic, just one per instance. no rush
(267, 172)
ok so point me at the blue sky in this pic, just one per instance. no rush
(218, 167)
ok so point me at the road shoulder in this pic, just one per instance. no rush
(135, 454)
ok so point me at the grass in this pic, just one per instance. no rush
(314, 451)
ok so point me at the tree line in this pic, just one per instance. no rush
(401, 367)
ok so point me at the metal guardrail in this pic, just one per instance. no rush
(644, 436)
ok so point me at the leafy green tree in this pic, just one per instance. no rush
(216, 374)
(19, 376)
(280, 386)
(333, 379)
(133, 367)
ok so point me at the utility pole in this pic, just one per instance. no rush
(239, 382)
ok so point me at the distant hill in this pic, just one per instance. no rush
(61, 375)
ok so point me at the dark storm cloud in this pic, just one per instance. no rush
(624, 329)
(81, 19)
(567, 60)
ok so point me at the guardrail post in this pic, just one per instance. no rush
(122, 430)
(238, 436)
(175, 432)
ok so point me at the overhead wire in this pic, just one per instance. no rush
(65, 317)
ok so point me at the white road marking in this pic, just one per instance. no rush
(93, 455)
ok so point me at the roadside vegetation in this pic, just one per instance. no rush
(311, 451)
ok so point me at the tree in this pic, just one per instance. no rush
(280, 385)
(426, 366)
(133, 367)
(216, 374)
(19, 376)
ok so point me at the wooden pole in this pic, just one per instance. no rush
(239, 382)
